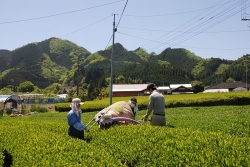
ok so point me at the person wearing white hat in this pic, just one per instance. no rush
(76, 128)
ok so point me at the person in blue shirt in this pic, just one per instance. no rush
(76, 128)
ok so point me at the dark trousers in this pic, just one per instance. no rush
(158, 120)
(73, 132)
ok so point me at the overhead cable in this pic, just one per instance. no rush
(117, 24)
(85, 26)
(211, 19)
(108, 42)
(186, 23)
(122, 14)
(180, 35)
(74, 11)
(143, 29)
(171, 14)
(182, 45)
(206, 28)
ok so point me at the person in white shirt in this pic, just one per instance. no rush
(156, 105)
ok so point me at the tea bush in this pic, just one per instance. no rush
(180, 100)
(194, 136)
(37, 108)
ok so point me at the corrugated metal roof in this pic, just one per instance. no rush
(215, 90)
(173, 86)
(163, 88)
(129, 87)
(141, 87)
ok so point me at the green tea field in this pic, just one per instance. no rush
(194, 136)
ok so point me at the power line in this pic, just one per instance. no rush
(86, 26)
(202, 24)
(222, 31)
(122, 14)
(170, 14)
(183, 34)
(139, 37)
(117, 24)
(59, 14)
(189, 21)
(243, 12)
(182, 45)
(223, 19)
(108, 42)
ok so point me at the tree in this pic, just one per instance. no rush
(120, 80)
(230, 79)
(11, 87)
(54, 88)
(152, 54)
(26, 86)
(197, 86)
(6, 91)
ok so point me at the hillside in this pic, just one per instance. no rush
(60, 61)
(52, 60)
(4, 52)
(180, 58)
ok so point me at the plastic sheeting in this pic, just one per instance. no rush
(118, 109)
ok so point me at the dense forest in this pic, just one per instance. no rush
(61, 62)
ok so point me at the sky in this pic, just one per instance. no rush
(207, 28)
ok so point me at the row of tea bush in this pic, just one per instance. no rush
(181, 100)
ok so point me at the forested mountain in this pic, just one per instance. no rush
(60, 61)
(41, 63)
(4, 52)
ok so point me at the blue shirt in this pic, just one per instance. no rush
(75, 121)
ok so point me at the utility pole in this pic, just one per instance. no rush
(246, 74)
(112, 55)
(243, 10)
(243, 18)
(77, 79)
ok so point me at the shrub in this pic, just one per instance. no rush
(8, 111)
(181, 100)
(35, 108)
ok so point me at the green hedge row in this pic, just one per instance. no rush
(182, 100)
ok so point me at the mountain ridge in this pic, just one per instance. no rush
(62, 61)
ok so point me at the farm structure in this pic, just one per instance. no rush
(228, 87)
(14, 102)
(123, 90)
(180, 88)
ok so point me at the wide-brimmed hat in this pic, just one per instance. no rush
(77, 100)
(151, 85)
